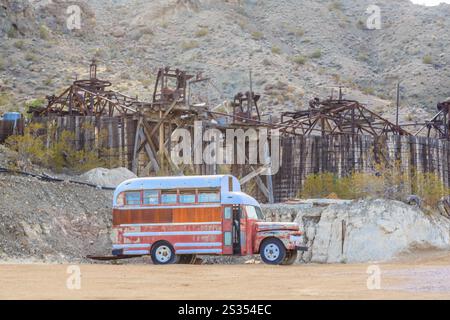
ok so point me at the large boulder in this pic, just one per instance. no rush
(107, 177)
(364, 231)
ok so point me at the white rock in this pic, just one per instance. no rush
(107, 177)
(364, 231)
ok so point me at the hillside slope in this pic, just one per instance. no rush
(296, 51)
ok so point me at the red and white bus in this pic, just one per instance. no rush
(173, 219)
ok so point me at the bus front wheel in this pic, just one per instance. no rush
(273, 251)
(163, 253)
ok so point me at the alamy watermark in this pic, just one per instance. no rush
(254, 146)
(73, 282)
(374, 279)
(73, 21)
(374, 20)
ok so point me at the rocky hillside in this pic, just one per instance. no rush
(295, 50)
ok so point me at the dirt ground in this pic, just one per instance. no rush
(424, 278)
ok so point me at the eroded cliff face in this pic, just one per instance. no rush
(364, 231)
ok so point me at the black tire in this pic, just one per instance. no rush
(163, 253)
(187, 259)
(272, 251)
(291, 257)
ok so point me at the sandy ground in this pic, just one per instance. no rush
(423, 278)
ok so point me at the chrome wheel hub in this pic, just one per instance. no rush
(272, 252)
(163, 254)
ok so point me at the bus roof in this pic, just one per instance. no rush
(179, 182)
(233, 196)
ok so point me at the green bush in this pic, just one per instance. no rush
(335, 5)
(20, 44)
(301, 60)
(29, 56)
(276, 50)
(202, 32)
(388, 182)
(5, 99)
(189, 45)
(31, 147)
(12, 33)
(428, 59)
(44, 32)
(316, 54)
(257, 35)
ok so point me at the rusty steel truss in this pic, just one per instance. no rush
(337, 116)
(439, 126)
(245, 108)
(87, 97)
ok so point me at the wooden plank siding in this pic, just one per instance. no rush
(166, 215)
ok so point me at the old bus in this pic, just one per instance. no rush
(173, 219)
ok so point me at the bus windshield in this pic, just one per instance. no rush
(254, 213)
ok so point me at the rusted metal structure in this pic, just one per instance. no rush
(88, 97)
(333, 135)
(245, 108)
(337, 116)
(439, 126)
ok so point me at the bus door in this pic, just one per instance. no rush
(231, 227)
(237, 215)
(227, 229)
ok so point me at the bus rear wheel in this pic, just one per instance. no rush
(273, 251)
(163, 253)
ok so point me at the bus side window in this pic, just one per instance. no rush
(133, 198)
(151, 197)
(187, 197)
(169, 198)
(227, 213)
(208, 197)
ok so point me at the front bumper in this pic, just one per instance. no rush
(298, 243)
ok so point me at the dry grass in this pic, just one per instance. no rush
(31, 148)
(386, 182)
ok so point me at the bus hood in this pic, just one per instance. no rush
(272, 226)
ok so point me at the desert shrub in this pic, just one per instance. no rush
(335, 5)
(361, 24)
(30, 147)
(388, 182)
(2, 63)
(368, 90)
(202, 32)
(364, 57)
(44, 32)
(276, 50)
(188, 45)
(257, 35)
(35, 103)
(20, 44)
(12, 32)
(5, 99)
(299, 59)
(316, 54)
(428, 59)
(29, 56)
(429, 188)
(61, 154)
(298, 32)
(48, 81)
